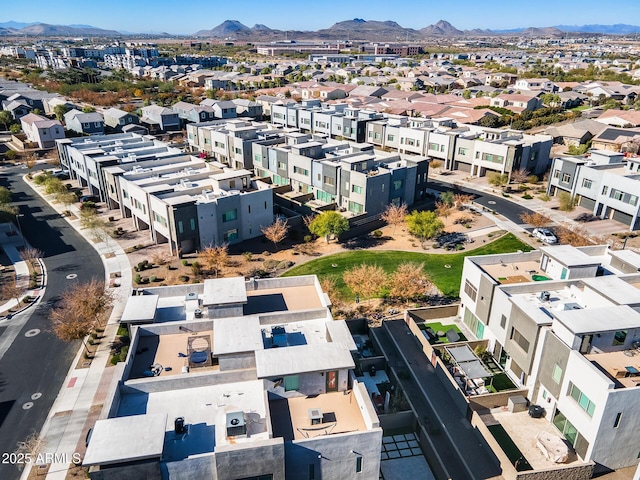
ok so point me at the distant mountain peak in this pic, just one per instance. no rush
(225, 29)
(442, 27)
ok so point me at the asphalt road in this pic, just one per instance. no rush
(506, 208)
(34, 367)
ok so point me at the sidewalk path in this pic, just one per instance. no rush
(66, 425)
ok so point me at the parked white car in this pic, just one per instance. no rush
(545, 235)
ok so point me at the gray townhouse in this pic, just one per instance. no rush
(605, 182)
(350, 177)
(190, 113)
(117, 119)
(91, 123)
(190, 204)
(161, 118)
(221, 108)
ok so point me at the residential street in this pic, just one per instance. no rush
(35, 364)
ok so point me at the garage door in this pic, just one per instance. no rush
(463, 167)
(587, 203)
(622, 217)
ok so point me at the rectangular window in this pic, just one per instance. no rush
(633, 200)
(519, 339)
(616, 423)
(282, 165)
(301, 171)
(377, 137)
(462, 151)
(582, 400)
(358, 464)
(557, 373)
(180, 227)
(470, 290)
(566, 178)
(356, 189)
(616, 194)
(230, 235)
(312, 471)
(397, 184)
(410, 141)
(605, 190)
(192, 224)
(390, 138)
(355, 207)
(329, 180)
(619, 337)
(586, 183)
(556, 173)
(503, 321)
(230, 215)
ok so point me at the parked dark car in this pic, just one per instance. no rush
(89, 198)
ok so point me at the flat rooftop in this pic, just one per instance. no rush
(523, 431)
(507, 273)
(570, 256)
(290, 298)
(340, 414)
(204, 410)
(594, 320)
(278, 362)
(623, 367)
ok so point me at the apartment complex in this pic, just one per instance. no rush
(604, 182)
(468, 148)
(564, 322)
(352, 177)
(236, 379)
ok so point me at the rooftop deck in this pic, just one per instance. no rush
(516, 272)
(290, 417)
(623, 367)
(523, 431)
(171, 351)
(302, 297)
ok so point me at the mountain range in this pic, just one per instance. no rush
(356, 29)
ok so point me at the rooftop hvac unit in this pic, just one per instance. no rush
(236, 425)
(315, 416)
(545, 296)
(191, 296)
(179, 425)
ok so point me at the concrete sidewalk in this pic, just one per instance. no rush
(83, 391)
(10, 240)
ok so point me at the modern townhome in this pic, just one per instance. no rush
(229, 141)
(91, 123)
(605, 182)
(188, 112)
(236, 379)
(337, 120)
(468, 148)
(41, 131)
(564, 322)
(117, 119)
(85, 157)
(190, 204)
(221, 108)
(160, 118)
(352, 177)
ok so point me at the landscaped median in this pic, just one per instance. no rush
(444, 270)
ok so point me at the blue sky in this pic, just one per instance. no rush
(189, 16)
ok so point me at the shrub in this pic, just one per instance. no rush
(307, 238)
(247, 256)
(114, 359)
(89, 206)
(526, 196)
(270, 264)
(285, 264)
(377, 233)
(196, 268)
(137, 278)
(506, 195)
(185, 263)
(183, 278)
(153, 278)
(266, 254)
(123, 353)
(112, 219)
(544, 197)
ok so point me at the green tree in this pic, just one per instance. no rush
(466, 94)
(15, 128)
(497, 179)
(424, 224)
(88, 109)
(448, 198)
(5, 118)
(5, 195)
(329, 223)
(567, 201)
(60, 110)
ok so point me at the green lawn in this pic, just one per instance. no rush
(439, 327)
(447, 279)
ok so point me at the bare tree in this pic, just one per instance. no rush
(520, 176)
(365, 280)
(276, 232)
(66, 198)
(11, 289)
(328, 285)
(461, 199)
(29, 449)
(576, 236)
(443, 209)
(308, 220)
(215, 257)
(409, 280)
(394, 215)
(535, 219)
(30, 162)
(80, 310)
(31, 255)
